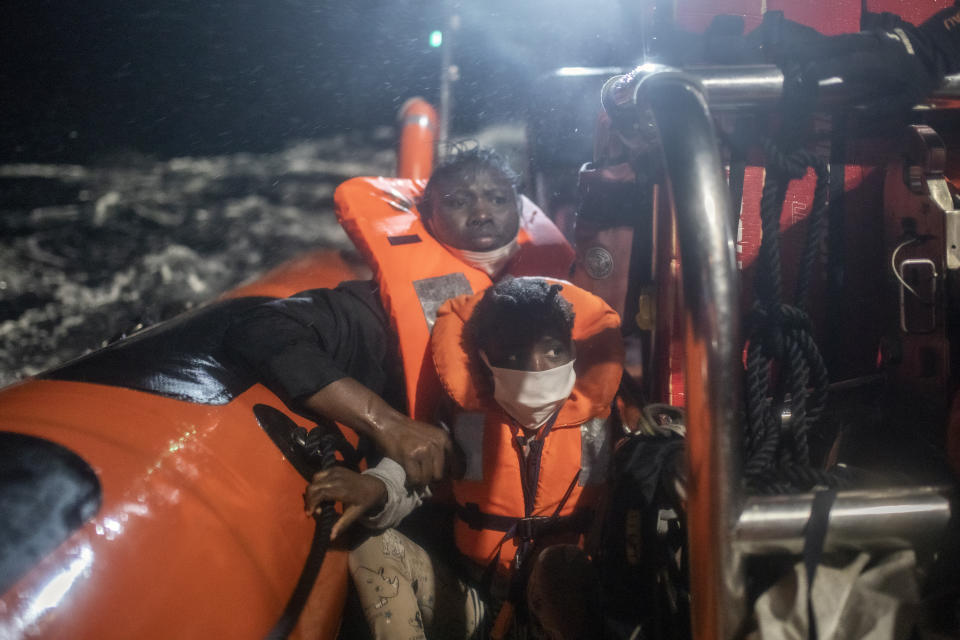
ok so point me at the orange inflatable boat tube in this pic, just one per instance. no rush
(150, 489)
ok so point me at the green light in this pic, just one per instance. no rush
(436, 38)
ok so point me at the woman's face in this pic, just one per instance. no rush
(476, 210)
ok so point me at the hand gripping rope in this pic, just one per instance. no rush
(320, 445)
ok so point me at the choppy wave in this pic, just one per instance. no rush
(91, 253)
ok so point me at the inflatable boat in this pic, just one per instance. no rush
(152, 489)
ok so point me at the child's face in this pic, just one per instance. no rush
(546, 352)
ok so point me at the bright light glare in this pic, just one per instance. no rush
(436, 38)
(112, 525)
(52, 593)
(586, 71)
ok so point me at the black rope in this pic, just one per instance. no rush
(777, 454)
(321, 445)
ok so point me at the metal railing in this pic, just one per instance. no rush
(723, 526)
(727, 88)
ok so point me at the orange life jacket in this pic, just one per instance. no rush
(416, 274)
(494, 514)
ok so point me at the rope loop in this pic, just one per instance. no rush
(791, 166)
(783, 363)
(783, 316)
(772, 326)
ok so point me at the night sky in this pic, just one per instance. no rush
(86, 80)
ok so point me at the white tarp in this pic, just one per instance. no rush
(854, 598)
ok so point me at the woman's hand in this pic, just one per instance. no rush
(359, 494)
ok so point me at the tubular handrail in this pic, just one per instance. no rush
(743, 87)
(720, 530)
(712, 345)
(872, 520)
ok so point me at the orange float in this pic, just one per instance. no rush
(417, 141)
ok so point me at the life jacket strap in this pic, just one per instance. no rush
(527, 528)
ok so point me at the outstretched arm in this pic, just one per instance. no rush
(421, 449)
(327, 353)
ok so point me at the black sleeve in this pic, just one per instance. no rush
(299, 345)
(936, 42)
(942, 31)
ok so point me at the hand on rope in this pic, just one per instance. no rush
(358, 493)
(320, 444)
(332, 483)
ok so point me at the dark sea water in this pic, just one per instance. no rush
(91, 253)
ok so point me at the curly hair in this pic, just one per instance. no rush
(461, 159)
(519, 311)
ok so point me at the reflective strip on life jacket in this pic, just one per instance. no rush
(596, 449)
(416, 274)
(575, 454)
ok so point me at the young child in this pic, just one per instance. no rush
(530, 368)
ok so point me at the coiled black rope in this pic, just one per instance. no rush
(777, 454)
(320, 445)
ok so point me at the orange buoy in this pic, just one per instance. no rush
(417, 139)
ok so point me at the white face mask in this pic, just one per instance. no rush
(492, 262)
(532, 397)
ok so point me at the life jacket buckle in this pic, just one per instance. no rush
(527, 527)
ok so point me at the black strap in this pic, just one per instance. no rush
(566, 494)
(838, 306)
(815, 533)
(532, 526)
(527, 530)
(308, 576)
(530, 464)
(324, 521)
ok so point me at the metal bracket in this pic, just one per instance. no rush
(918, 294)
(926, 159)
